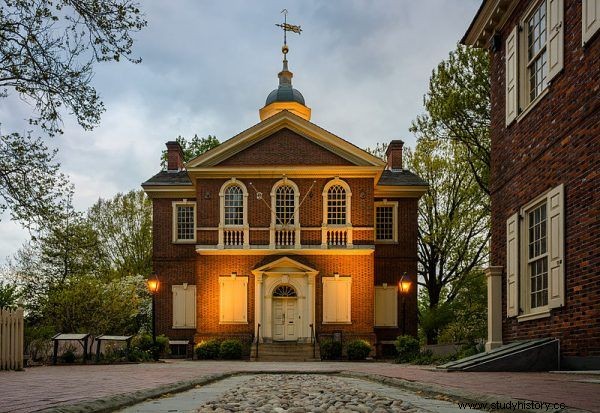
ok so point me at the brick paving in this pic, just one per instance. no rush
(45, 387)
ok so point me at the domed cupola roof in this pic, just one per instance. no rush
(285, 97)
(285, 92)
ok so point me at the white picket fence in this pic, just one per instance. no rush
(11, 339)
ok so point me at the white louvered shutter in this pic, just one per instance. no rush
(512, 266)
(190, 306)
(386, 307)
(590, 19)
(240, 300)
(511, 77)
(178, 305)
(556, 274)
(554, 13)
(329, 303)
(343, 300)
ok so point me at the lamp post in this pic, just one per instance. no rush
(404, 287)
(153, 285)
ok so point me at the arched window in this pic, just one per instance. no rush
(336, 205)
(285, 205)
(234, 205)
(284, 291)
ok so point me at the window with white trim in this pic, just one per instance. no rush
(533, 56)
(337, 299)
(184, 221)
(233, 300)
(285, 205)
(336, 205)
(386, 228)
(184, 306)
(386, 306)
(535, 276)
(234, 205)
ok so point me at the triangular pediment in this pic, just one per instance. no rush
(284, 265)
(285, 139)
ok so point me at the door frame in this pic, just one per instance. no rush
(285, 301)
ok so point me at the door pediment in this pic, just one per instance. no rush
(284, 265)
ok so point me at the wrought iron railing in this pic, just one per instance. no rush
(313, 340)
(257, 339)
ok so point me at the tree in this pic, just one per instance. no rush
(453, 223)
(459, 109)
(123, 225)
(378, 150)
(48, 50)
(8, 295)
(192, 148)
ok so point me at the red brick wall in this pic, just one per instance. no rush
(557, 142)
(275, 150)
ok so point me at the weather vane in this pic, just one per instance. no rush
(287, 28)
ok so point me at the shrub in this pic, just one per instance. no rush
(143, 342)
(231, 349)
(208, 349)
(68, 355)
(424, 357)
(358, 349)
(330, 350)
(408, 348)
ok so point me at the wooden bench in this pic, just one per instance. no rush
(81, 338)
(106, 337)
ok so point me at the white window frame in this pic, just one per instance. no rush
(175, 223)
(343, 184)
(244, 227)
(187, 289)
(517, 88)
(243, 300)
(555, 238)
(590, 20)
(393, 311)
(337, 319)
(394, 205)
(275, 224)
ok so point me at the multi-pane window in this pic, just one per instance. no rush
(384, 223)
(537, 256)
(336, 205)
(234, 205)
(537, 67)
(284, 205)
(185, 222)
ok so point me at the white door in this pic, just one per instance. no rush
(285, 316)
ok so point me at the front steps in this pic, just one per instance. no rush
(284, 351)
(530, 355)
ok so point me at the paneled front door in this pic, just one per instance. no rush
(285, 315)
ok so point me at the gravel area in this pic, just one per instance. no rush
(300, 393)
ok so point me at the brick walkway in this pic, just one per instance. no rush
(45, 387)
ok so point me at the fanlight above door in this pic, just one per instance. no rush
(284, 291)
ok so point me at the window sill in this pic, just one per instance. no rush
(395, 326)
(183, 327)
(184, 241)
(534, 316)
(232, 322)
(377, 241)
(532, 104)
(337, 322)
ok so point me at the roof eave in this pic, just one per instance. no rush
(491, 15)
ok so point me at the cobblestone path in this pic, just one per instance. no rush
(294, 393)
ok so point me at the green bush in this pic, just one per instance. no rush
(143, 342)
(231, 349)
(424, 357)
(68, 355)
(208, 350)
(358, 349)
(408, 348)
(330, 350)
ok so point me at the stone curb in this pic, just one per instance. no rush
(454, 394)
(111, 403)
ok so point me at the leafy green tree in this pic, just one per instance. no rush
(192, 148)
(49, 49)
(458, 109)
(453, 224)
(378, 150)
(123, 225)
(8, 295)
(91, 305)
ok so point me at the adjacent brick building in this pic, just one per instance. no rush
(544, 279)
(284, 231)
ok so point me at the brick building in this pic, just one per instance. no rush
(286, 227)
(544, 279)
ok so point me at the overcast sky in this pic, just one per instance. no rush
(208, 66)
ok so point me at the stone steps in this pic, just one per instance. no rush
(284, 351)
